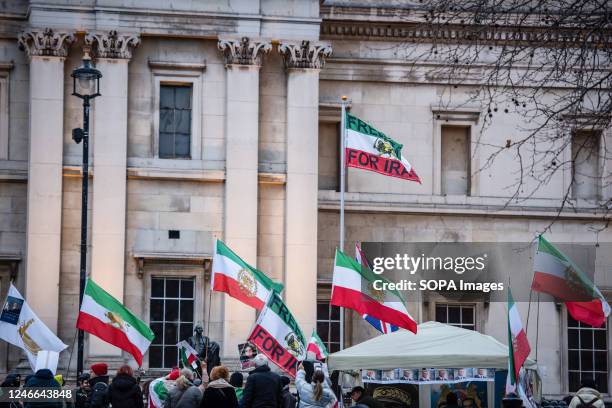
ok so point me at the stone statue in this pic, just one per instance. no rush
(201, 343)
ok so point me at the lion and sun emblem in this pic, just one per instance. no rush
(294, 345)
(28, 342)
(247, 283)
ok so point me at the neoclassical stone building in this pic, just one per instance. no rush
(219, 119)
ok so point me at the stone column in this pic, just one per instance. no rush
(243, 60)
(112, 52)
(303, 62)
(46, 50)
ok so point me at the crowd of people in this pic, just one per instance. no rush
(263, 388)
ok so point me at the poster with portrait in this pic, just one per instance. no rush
(470, 394)
(247, 351)
(395, 395)
(11, 310)
(428, 375)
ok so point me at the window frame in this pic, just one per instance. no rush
(4, 108)
(461, 305)
(174, 110)
(601, 165)
(193, 79)
(565, 353)
(462, 117)
(175, 271)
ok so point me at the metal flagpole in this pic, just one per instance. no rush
(343, 104)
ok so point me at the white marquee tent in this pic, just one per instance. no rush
(436, 345)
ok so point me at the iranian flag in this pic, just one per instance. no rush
(370, 149)
(278, 336)
(187, 354)
(316, 346)
(556, 274)
(105, 317)
(518, 345)
(158, 391)
(353, 287)
(239, 279)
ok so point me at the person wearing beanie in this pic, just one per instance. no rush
(263, 387)
(288, 399)
(43, 378)
(237, 381)
(98, 383)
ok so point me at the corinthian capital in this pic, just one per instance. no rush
(244, 51)
(305, 54)
(112, 44)
(45, 42)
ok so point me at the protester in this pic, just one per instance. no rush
(237, 381)
(358, 395)
(98, 397)
(83, 392)
(184, 394)
(43, 378)
(11, 380)
(60, 379)
(315, 394)
(124, 391)
(288, 399)
(219, 393)
(263, 387)
(587, 396)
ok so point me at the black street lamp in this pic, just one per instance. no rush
(85, 85)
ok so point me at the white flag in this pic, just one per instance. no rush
(22, 328)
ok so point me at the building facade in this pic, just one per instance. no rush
(220, 119)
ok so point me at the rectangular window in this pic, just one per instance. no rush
(171, 318)
(585, 168)
(329, 156)
(175, 121)
(459, 315)
(328, 325)
(587, 354)
(455, 164)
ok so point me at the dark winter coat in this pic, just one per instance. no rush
(10, 381)
(124, 392)
(219, 393)
(288, 399)
(44, 379)
(370, 402)
(98, 395)
(262, 390)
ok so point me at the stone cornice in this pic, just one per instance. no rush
(243, 51)
(305, 54)
(412, 31)
(112, 44)
(46, 42)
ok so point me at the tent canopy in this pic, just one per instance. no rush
(436, 345)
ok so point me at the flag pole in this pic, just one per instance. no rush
(343, 104)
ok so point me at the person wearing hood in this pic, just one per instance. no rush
(184, 394)
(219, 393)
(587, 396)
(124, 391)
(11, 380)
(43, 378)
(263, 387)
(288, 399)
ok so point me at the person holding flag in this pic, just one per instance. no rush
(378, 324)
(556, 274)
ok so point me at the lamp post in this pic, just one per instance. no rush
(85, 85)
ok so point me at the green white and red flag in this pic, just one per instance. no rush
(158, 391)
(353, 288)
(187, 354)
(230, 274)
(556, 274)
(316, 346)
(518, 345)
(105, 317)
(278, 336)
(370, 149)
